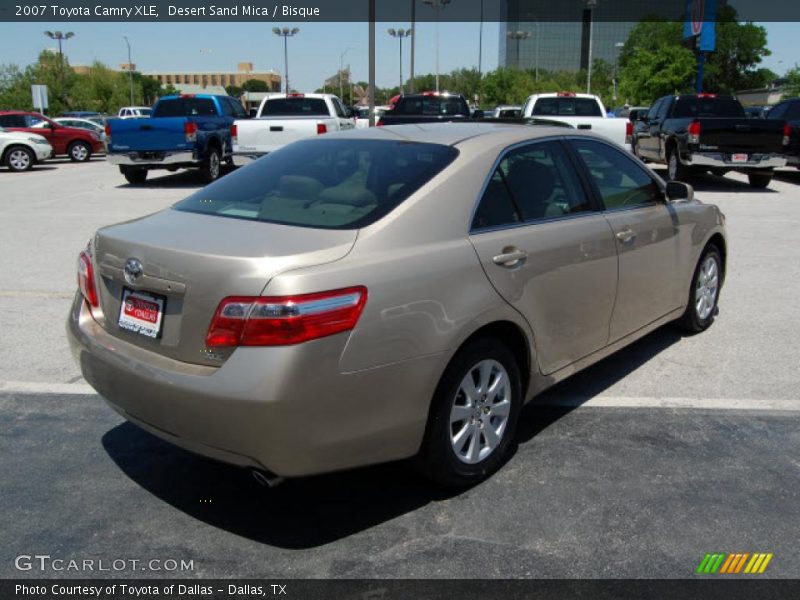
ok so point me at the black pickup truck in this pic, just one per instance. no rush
(695, 133)
(789, 111)
(427, 107)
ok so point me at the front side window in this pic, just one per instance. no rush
(324, 183)
(621, 182)
(532, 183)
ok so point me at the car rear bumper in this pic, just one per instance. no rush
(724, 161)
(151, 159)
(241, 159)
(289, 410)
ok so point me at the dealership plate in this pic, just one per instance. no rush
(739, 158)
(141, 312)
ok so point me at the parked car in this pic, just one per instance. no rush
(78, 123)
(584, 111)
(134, 112)
(283, 119)
(81, 114)
(506, 112)
(361, 114)
(789, 111)
(694, 133)
(78, 144)
(755, 112)
(192, 131)
(427, 107)
(20, 151)
(373, 295)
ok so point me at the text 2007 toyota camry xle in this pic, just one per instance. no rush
(388, 293)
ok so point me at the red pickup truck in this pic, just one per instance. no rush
(78, 144)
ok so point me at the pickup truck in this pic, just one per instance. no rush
(695, 133)
(285, 118)
(427, 107)
(582, 111)
(187, 131)
(789, 111)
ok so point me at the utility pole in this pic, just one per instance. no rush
(413, 44)
(437, 5)
(590, 4)
(286, 33)
(130, 67)
(400, 34)
(371, 74)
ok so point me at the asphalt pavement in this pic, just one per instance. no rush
(672, 448)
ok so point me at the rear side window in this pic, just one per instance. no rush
(295, 107)
(719, 106)
(532, 183)
(185, 107)
(621, 182)
(327, 184)
(565, 107)
(13, 121)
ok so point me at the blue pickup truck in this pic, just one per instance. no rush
(186, 131)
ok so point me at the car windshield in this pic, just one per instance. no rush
(327, 184)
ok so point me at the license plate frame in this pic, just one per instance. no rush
(740, 157)
(141, 313)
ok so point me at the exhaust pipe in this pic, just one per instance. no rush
(267, 479)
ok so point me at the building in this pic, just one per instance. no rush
(243, 73)
(766, 96)
(559, 32)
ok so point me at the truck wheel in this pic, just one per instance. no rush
(19, 158)
(759, 180)
(134, 176)
(676, 171)
(79, 152)
(211, 166)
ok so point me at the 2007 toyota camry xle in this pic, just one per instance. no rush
(388, 293)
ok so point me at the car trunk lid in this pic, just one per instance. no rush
(192, 261)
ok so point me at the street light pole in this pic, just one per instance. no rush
(60, 36)
(286, 33)
(618, 46)
(590, 4)
(437, 5)
(400, 34)
(413, 44)
(130, 67)
(518, 35)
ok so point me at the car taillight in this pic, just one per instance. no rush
(628, 132)
(190, 131)
(321, 128)
(86, 279)
(108, 134)
(379, 123)
(694, 132)
(234, 135)
(285, 320)
(787, 133)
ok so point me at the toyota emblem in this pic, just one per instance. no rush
(133, 270)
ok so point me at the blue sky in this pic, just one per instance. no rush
(314, 53)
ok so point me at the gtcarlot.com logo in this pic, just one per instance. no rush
(735, 563)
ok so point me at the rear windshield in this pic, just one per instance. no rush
(327, 184)
(564, 107)
(720, 106)
(184, 107)
(433, 105)
(295, 107)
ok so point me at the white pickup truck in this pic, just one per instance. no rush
(582, 111)
(286, 118)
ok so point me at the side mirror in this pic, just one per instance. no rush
(349, 113)
(677, 191)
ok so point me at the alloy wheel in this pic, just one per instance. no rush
(480, 410)
(705, 294)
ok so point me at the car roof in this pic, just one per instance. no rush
(453, 133)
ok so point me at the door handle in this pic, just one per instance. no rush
(510, 257)
(626, 235)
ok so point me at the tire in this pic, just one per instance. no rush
(458, 453)
(79, 152)
(19, 159)
(676, 171)
(134, 176)
(759, 180)
(211, 166)
(700, 315)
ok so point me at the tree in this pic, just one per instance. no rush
(647, 75)
(793, 82)
(507, 86)
(255, 85)
(234, 90)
